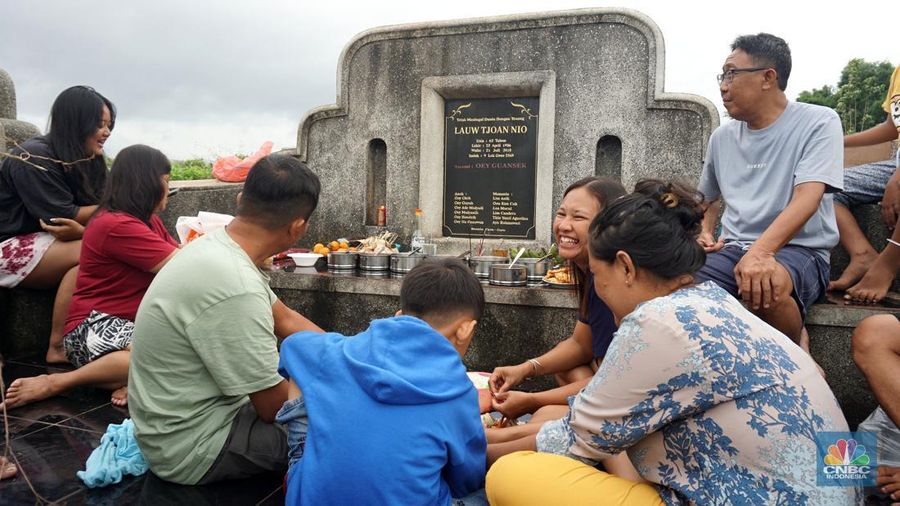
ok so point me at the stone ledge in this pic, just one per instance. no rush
(203, 184)
(833, 315)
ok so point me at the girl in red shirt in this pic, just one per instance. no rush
(124, 245)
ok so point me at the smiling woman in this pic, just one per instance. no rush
(49, 188)
(575, 359)
(711, 405)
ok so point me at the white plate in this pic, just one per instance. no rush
(562, 286)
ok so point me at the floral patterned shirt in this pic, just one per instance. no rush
(709, 402)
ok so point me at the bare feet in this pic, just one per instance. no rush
(56, 354)
(7, 468)
(888, 481)
(120, 397)
(27, 390)
(859, 265)
(872, 287)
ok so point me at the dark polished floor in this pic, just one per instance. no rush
(53, 438)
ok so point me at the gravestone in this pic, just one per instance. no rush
(483, 123)
(489, 168)
(12, 131)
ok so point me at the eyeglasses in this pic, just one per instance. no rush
(728, 75)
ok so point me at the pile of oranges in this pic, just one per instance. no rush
(333, 246)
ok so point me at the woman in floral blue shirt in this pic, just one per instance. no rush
(710, 404)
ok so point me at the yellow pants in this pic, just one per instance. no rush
(526, 478)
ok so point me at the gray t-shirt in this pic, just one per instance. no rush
(755, 171)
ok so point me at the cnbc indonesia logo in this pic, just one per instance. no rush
(847, 460)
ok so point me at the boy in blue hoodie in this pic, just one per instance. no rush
(392, 416)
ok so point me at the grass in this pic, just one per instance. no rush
(189, 170)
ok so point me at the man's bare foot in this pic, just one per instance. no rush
(120, 397)
(27, 390)
(859, 265)
(56, 355)
(872, 287)
(888, 481)
(7, 468)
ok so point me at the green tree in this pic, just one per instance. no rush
(822, 96)
(858, 96)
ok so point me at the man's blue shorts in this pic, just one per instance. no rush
(809, 272)
(295, 418)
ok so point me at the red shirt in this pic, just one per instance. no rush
(117, 253)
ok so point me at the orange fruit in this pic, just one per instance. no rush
(317, 247)
(344, 245)
(334, 245)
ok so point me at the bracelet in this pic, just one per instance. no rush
(534, 365)
(895, 243)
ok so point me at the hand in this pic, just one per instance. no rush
(890, 203)
(710, 245)
(504, 378)
(888, 481)
(63, 229)
(514, 404)
(756, 280)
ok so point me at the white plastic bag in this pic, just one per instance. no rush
(192, 227)
(888, 437)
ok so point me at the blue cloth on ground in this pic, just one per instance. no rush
(117, 455)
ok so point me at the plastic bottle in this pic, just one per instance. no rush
(418, 238)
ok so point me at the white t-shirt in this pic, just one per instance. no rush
(755, 172)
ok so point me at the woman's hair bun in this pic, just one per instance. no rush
(679, 199)
(657, 226)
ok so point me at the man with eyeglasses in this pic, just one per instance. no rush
(775, 167)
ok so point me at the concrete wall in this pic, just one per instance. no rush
(607, 80)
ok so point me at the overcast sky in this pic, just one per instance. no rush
(200, 78)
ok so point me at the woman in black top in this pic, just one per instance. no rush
(49, 187)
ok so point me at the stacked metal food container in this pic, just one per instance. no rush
(494, 270)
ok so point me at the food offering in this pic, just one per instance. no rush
(560, 278)
(338, 246)
(550, 254)
(375, 252)
(379, 244)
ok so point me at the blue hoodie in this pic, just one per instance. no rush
(393, 419)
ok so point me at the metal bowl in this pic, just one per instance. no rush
(404, 262)
(375, 274)
(482, 265)
(536, 269)
(344, 261)
(506, 275)
(374, 261)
